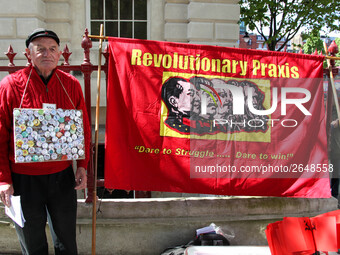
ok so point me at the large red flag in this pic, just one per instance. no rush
(214, 120)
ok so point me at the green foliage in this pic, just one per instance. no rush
(313, 43)
(284, 18)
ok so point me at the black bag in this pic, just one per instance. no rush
(211, 240)
(202, 240)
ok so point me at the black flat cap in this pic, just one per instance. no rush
(41, 32)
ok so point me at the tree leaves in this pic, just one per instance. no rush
(275, 20)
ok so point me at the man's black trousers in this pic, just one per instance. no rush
(47, 197)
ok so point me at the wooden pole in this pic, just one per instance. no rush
(98, 37)
(94, 201)
(331, 77)
(332, 58)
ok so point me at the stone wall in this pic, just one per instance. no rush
(20, 17)
(202, 22)
(148, 226)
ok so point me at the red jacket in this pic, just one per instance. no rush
(11, 91)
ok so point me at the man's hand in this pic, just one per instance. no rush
(81, 178)
(6, 191)
(335, 123)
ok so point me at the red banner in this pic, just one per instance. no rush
(215, 120)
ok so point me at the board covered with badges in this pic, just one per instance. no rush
(42, 135)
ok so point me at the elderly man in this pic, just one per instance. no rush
(47, 189)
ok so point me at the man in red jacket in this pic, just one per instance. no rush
(47, 189)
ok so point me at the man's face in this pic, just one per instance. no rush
(226, 98)
(44, 54)
(183, 103)
(211, 106)
(195, 100)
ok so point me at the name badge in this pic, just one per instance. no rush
(49, 106)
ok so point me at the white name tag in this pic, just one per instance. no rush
(49, 106)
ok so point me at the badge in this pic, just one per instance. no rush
(19, 143)
(35, 158)
(30, 143)
(36, 122)
(28, 158)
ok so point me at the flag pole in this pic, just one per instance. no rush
(98, 37)
(106, 37)
(335, 95)
(94, 201)
(332, 58)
